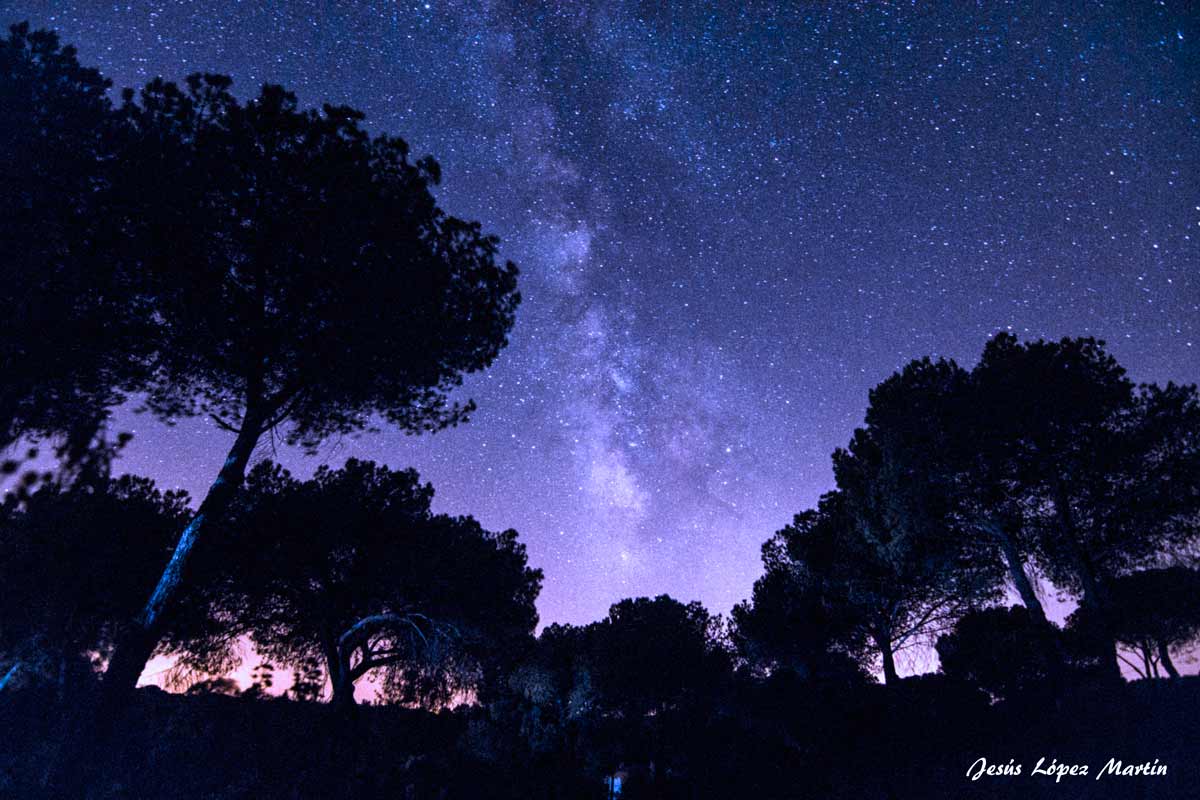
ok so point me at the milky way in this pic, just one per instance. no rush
(731, 223)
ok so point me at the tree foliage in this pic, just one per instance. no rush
(614, 692)
(789, 624)
(947, 470)
(651, 654)
(74, 334)
(352, 569)
(1154, 612)
(274, 268)
(1109, 471)
(302, 268)
(878, 587)
(1004, 651)
(76, 562)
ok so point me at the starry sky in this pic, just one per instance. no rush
(732, 220)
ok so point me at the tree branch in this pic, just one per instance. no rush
(8, 676)
(358, 637)
(367, 625)
(1132, 666)
(222, 423)
(283, 403)
(380, 659)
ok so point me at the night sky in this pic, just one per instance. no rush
(731, 223)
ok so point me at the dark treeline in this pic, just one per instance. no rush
(292, 278)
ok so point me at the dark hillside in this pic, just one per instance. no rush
(782, 743)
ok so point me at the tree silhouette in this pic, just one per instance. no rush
(1109, 472)
(1043, 453)
(222, 686)
(75, 332)
(613, 692)
(791, 623)
(308, 679)
(353, 569)
(302, 279)
(653, 654)
(899, 560)
(1154, 611)
(556, 705)
(656, 662)
(75, 563)
(262, 678)
(880, 583)
(947, 458)
(1004, 651)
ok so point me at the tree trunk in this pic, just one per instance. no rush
(1015, 564)
(889, 667)
(1016, 571)
(136, 643)
(1164, 656)
(8, 676)
(884, 643)
(341, 683)
(343, 691)
(1095, 592)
